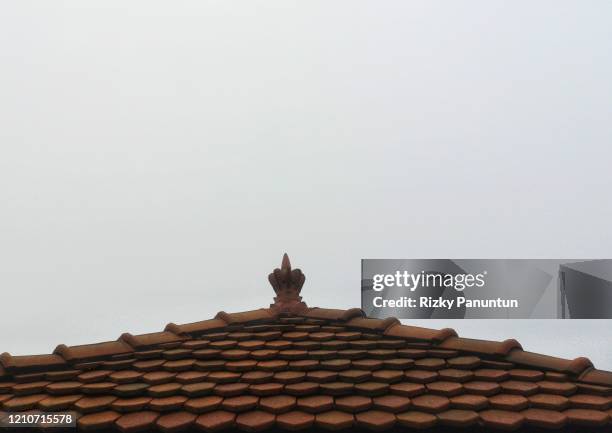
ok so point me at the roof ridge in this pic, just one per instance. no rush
(509, 351)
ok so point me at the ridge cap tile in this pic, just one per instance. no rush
(196, 327)
(596, 377)
(88, 352)
(21, 363)
(418, 333)
(370, 324)
(546, 362)
(146, 341)
(328, 314)
(486, 347)
(261, 315)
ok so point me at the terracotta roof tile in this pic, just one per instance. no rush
(240, 404)
(175, 422)
(354, 375)
(469, 401)
(445, 388)
(302, 388)
(407, 389)
(375, 420)
(562, 388)
(187, 377)
(266, 389)
(29, 387)
(545, 418)
(334, 420)
(458, 418)
(295, 420)
(32, 377)
(519, 387)
(555, 376)
(586, 401)
(63, 402)
(455, 375)
(277, 404)
(197, 389)
(321, 376)
(98, 388)
(137, 421)
(63, 388)
(387, 376)
(288, 377)
(368, 364)
(549, 401)
(431, 403)
(593, 389)
(256, 376)
(61, 375)
(165, 404)
(587, 417)
(125, 376)
(203, 404)
(421, 376)
(490, 374)
(526, 375)
(371, 388)
(98, 420)
(255, 420)
(501, 419)
(92, 404)
(392, 403)
(315, 404)
(336, 388)
(417, 420)
(130, 389)
(353, 403)
(464, 362)
(312, 367)
(26, 402)
(508, 402)
(130, 404)
(227, 389)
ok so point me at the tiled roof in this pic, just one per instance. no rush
(291, 367)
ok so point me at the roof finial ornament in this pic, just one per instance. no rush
(287, 285)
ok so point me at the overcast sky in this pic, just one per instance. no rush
(157, 158)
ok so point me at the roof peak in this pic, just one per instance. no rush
(287, 285)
